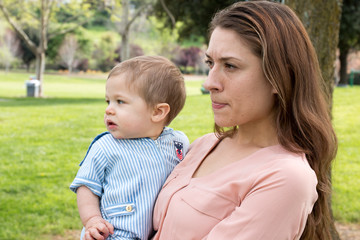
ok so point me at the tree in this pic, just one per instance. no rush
(105, 52)
(41, 11)
(322, 22)
(28, 56)
(9, 48)
(349, 36)
(189, 12)
(124, 15)
(188, 57)
(67, 51)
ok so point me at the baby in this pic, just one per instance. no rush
(125, 168)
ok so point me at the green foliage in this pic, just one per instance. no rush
(155, 38)
(195, 15)
(100, 18)
(105, 52)
(84, 51)
(53, 47)
(194, 41)
(349, 35)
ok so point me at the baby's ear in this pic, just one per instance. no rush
(161, 110)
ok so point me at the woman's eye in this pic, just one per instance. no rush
(229, 66)
(209, 63)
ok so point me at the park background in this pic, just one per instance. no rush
(44, 138)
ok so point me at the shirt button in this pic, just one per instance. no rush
(128, 208)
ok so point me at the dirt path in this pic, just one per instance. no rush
(348, 231)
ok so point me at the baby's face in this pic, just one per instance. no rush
(127, 114)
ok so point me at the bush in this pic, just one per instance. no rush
(189, 60)
(105, 53)
(356, 78)
(135, 50)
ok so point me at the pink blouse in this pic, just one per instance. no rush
(267, 195)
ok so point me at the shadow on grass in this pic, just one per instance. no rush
(31, 102)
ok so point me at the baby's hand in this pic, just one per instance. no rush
(97, 228)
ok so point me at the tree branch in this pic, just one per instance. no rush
(137, 13)
(32, 46)
(171, 16)
(66, 30)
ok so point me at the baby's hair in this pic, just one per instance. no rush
(156, 79)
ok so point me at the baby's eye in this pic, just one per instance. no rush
(107, 101)
(120, 101)
(209, 63)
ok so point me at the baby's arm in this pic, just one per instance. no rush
(95, 226)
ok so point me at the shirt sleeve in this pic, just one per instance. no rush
(92, 170)
(181, 143)
(185, 141)
(276, 208)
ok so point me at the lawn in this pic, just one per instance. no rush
(43, 140)
(346, 168)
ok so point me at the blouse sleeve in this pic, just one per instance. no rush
(276, 207)
(92, 170)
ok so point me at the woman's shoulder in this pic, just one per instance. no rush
(279, 155)
(206, 140)
(287, 167)
(199, 149)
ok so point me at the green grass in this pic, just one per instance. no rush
(43, 140)
(346, 169)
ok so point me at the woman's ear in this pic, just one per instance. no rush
(160, 112)
(274, 91)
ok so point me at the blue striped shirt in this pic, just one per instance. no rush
(127, 175)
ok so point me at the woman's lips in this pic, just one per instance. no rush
(216, 105)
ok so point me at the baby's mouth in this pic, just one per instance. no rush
(110, 123)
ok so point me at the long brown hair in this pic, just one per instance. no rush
(276, 35)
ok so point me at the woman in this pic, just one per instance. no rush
(264, 173)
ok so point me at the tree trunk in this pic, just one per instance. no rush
(343, 66)
(322, 22)
(70, 68)
(40, 68)
(125, 26)
(125, 31)
(125, 53)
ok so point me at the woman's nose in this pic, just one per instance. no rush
(213, 81)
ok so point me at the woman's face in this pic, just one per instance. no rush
(240, 93)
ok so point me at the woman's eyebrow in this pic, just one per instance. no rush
(224, 59)
(207, 55)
